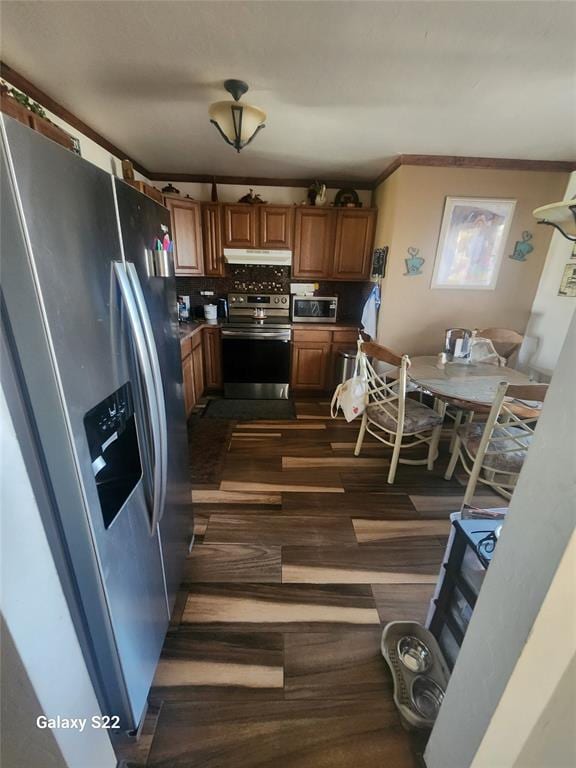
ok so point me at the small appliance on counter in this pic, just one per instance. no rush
(314, 309)
(183, 303)
(223, 313)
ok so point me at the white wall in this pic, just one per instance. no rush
(413, 315)
(551, 314)
(533, 724)
(540, 523)
(35, 613)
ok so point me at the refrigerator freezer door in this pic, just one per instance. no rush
(143, 222)
(60, 237)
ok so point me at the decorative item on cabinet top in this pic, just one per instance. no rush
(170, 189)
(21, 107)
(347, 198)
(252, 198)
(317, 193)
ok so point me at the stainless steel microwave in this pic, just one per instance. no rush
(314, 309)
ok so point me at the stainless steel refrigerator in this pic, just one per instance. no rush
(90, 327)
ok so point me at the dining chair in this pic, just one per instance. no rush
(493, 452)
(391, 417)
(506, 342)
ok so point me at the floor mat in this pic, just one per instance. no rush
(207, 447)
(250, 410)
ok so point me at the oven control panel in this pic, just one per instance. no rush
(254, 300)
(264, 304)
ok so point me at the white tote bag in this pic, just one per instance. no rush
(351, 395)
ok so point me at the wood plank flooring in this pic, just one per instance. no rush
(302, 553)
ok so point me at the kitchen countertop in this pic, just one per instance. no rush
(187, 330)
(338, 326)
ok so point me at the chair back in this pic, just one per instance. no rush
(388, 396)
(506, 341)
(512, 419)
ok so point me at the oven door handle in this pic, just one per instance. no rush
(271, 335)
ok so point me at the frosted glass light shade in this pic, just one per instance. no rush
(561, 216)
(238, 123)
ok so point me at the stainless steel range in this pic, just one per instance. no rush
(256, 346)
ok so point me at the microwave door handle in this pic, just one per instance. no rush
(158, 385)
(149, 386)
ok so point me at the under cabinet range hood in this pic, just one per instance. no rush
(257, 256)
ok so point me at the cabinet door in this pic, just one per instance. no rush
(212, 240)
(211, 343)
(313, 242)
(188, 379)
(309, 364)
(198, 366)
(187, 236)
(354, 240)
(240, 226)
(276, 226)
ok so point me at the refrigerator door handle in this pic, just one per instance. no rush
(157, 375)
(149, 385)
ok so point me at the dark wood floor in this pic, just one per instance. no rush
(303, 552)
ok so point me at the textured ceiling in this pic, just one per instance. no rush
(347, 85)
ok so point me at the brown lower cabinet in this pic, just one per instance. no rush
(201, 365)
(212, 346)
(314, 361)
(309, 361)
(315, 357)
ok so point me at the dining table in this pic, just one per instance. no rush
(471, 386)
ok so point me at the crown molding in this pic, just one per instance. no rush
(487, 163)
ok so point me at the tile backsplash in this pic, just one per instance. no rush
(269, 279)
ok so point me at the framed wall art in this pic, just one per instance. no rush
(471, 244)
(568, 281)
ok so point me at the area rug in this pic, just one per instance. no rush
(250, 410)
(207, 447)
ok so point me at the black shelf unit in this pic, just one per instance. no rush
(470, 555)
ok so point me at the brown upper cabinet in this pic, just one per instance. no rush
(333, 243)
(258, 226)
(276, 226)
(212, 236)
(354, 240)
(186, 218)
(240, 226)
(313, 242)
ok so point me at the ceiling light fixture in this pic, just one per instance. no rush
(561, 216)
(237, 123)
